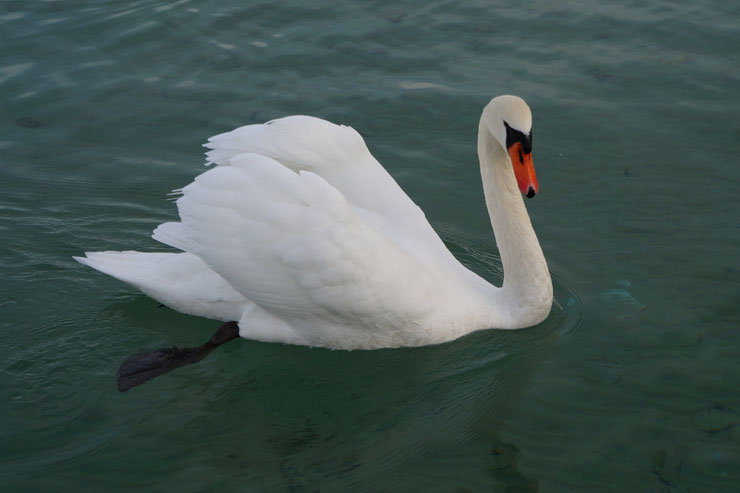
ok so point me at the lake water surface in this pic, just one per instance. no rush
(632, 382)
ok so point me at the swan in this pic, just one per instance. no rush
(298, 235)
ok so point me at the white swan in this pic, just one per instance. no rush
(301, 236)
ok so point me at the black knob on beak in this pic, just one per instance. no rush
(530, 192)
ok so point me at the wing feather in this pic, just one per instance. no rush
(300, 248)
(171, 234)
(339, 155)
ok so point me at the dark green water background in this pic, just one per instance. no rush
(630, 385)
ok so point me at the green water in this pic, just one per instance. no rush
(632, 382)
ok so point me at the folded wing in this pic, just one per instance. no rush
(292, 243)
(339, 155)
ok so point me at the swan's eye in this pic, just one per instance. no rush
(513, 136)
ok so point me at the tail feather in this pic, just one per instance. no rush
(180, 281)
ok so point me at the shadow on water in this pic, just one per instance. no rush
(338, 420)
(317, 418)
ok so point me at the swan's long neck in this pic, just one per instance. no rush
(527, 289)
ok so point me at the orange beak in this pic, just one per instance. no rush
(523, 170)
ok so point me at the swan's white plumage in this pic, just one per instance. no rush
(182, 281)
(171, 234)
(302, 236)
(310, 258)
(339, 155)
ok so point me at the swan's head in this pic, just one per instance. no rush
(509, 120)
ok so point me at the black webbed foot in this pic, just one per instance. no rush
(143, 367)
